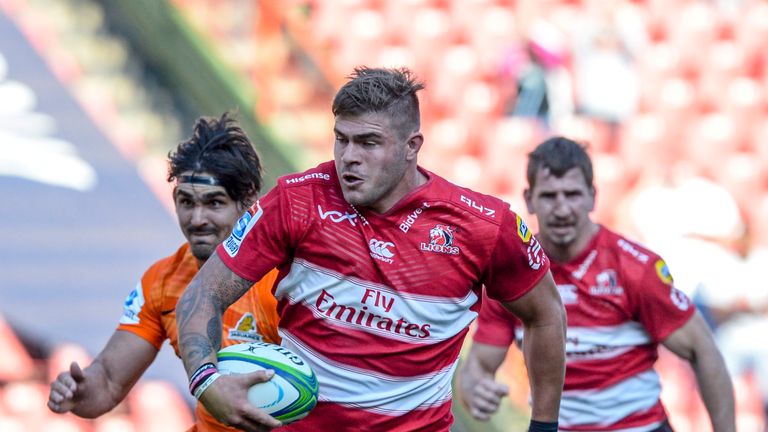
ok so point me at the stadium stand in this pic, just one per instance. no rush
(682, 101)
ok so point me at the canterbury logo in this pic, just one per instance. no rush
(380, 247)
(336, 216)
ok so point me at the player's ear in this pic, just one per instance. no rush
(414, 145)
(527, 196)
(593, 195)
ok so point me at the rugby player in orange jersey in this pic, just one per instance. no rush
(218, 176)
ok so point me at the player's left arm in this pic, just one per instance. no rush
(694, 343)
(198, 316)
(543, 317)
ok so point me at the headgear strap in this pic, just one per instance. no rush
(199, 179)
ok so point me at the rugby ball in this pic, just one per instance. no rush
(291, 393)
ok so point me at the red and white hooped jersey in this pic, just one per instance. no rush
(379, 304)
(621, 303)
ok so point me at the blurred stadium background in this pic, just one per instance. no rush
(671, 96)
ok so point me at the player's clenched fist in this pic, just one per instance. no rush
(482, 397)
(66, 390)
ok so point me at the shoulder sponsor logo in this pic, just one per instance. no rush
(632, 250)
(245, 329)
(241, 228)
(482, 209)
(305, 177)
(380, 250)
(408, 222)
(522, 229)
(679, 299)
(336, 216)
(132, 306)
(569, 293)
(663, 272)
(535, 254)
(606, 284)
(441, 240)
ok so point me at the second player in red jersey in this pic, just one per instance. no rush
(621, 304)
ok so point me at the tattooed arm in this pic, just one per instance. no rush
(200, 308)
(198, 316)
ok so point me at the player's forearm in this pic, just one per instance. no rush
(470, 372)
(544, 349)
(716, 389)
(199, 325)
(199, 311)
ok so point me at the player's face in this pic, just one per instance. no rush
(372, 161)
(562, 206)
(206, 216)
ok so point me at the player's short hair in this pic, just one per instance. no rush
(559, 155)
(382, 90)
(220, 147)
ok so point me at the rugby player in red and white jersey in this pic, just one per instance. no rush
(621, 304)
(381, 267)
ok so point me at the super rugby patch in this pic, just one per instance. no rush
(241, 229)
(132, 306)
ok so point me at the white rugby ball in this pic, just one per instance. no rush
(291, 393)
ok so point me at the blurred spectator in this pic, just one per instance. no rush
(697, 225)
(537, 67)
(607, 42)
(741, 318)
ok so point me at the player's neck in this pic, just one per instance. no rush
(566, 253)
(411, 181)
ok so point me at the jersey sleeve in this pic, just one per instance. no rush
(141, 311)
(495, 324)
(261, 239)
(658, 305)
(517, 262)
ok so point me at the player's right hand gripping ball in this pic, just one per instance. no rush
(291, 393)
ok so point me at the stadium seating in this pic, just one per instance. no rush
(462, 70)
(151, 406)
(16, 364)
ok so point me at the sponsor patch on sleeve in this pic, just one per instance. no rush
(536, 255)
(132, 306)
(663, 272)
(241, 229)
(679, 299)
(522, 229)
